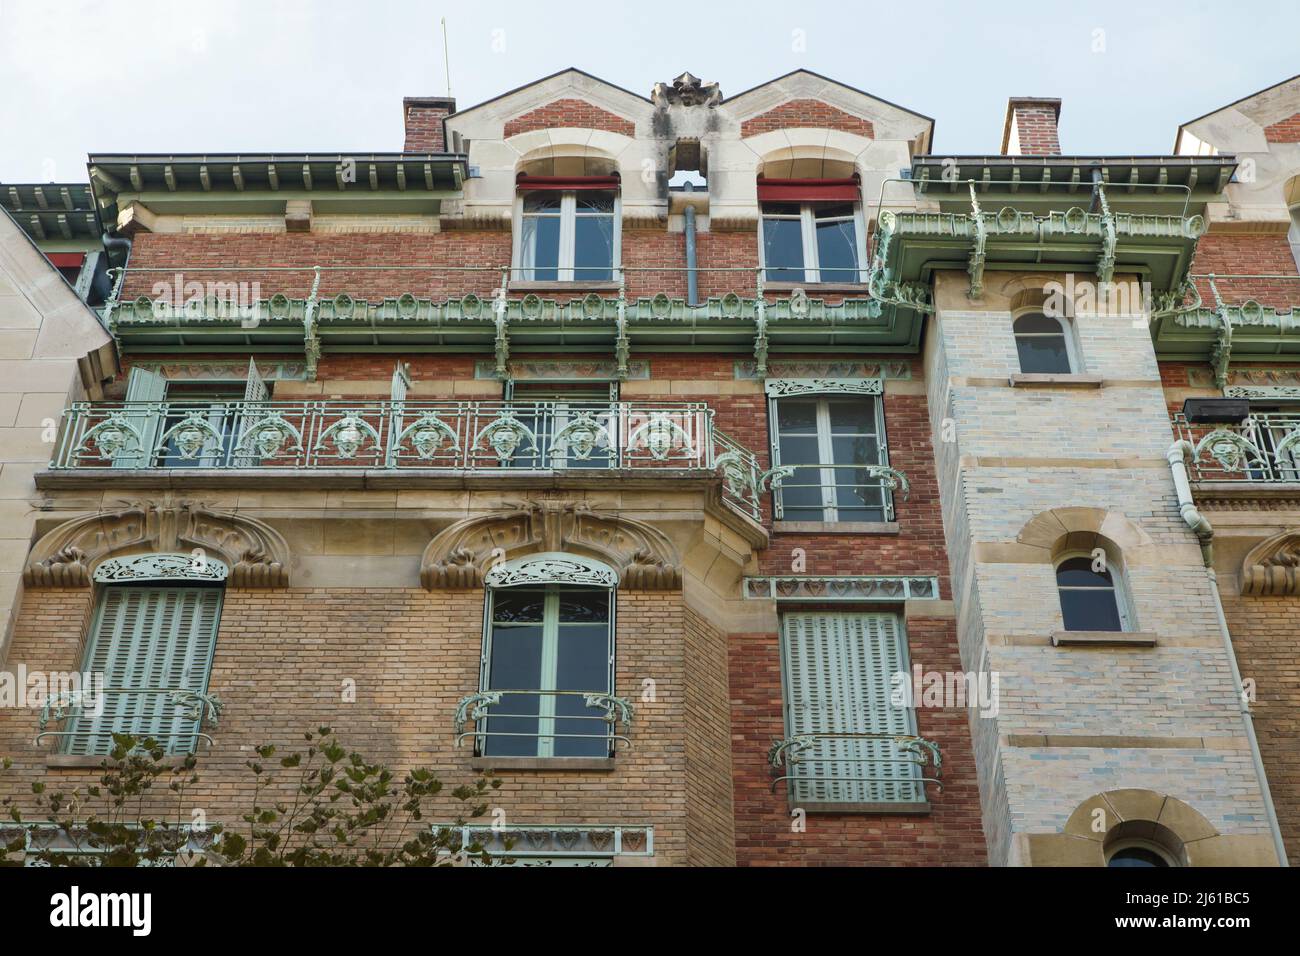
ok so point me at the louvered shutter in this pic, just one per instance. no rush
(838, 670)
(143, 386)
(148, 639)
(255, 394)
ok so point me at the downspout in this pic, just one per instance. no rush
(692, 277)
(1200, 526)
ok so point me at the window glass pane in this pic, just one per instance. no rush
(1090, 609)
(595, 200)
(519, 607)
(801, 496)
(593, 252)
(516, 665)
(539, 248)
(852, 416)
(799, 449)
(1037, 323)
(837, 211)
(584, 606)
(582, 665)
(1136, 856)
(543, 202)
(797, 416)
(837, 251)
(854, 451)
(1078, 573)
(857, 496)
(1044, 354)
(781, 209)
(783, 249)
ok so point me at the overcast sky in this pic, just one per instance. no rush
(79, 76)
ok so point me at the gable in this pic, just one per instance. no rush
(568, 112)
(806, 113)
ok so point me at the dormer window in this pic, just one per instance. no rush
(812, 230)
(567, 229)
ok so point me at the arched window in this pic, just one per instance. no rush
(1138, 853)
(1043, 344)
(548, 647)
(1091, 598)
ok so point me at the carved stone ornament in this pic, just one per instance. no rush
(1273, 566)
(461, 555)
(196, 566)
(255, 553)
(686, 90)
(551, 568)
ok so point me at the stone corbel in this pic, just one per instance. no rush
(255, 552)
(1273, 566)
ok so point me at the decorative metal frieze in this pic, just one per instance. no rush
(778, 369)
(462, 555)
(428, 435)
(194, 437)
(1232, 450)
(1268, 393)
(348, 435)
(867, 588)
(660, 434)
(256, 553)
(161, 567)
(561, 371)
(506, 436)
(112, 438)
(583, 435)
(551, 568)
(542, 840)
(225, 371)
(1264, 448)
(783, 387)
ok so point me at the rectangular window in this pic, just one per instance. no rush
(567, 236)
(838, 672)
(148, 642)
(812, 242)
(548, 648)
(829, 439)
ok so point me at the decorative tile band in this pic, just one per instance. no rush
(787, 369)
(226, 371)
(1247, 377)
(870, 588)
(1264, 392)
(562, 371)
(587, 840)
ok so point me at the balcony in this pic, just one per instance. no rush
(176, 717)
(1263, 449)
(364, 439)
(550, 725)
(857, 772)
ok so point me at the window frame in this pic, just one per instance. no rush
(545, 749)
(1067, 330)
(808, 236)
(822, 392)
(1150, 846)
(1119, 588)
(568, 216)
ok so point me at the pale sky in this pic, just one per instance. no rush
(142, 76)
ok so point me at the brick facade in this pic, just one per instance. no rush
(569, 112)
(1284, 131)
(806, 113)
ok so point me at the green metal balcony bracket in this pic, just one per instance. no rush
(1175, 302)
(310, 334)
(977, 252)
(851, 755)
(1221, 357)
(110, 307)
(203, 709)
(1109, 240)
(500, 307)
(622, 345)
(760, 324)
(892, 478)
(611, 704)
(473, 708)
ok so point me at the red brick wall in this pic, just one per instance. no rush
(569, 112)
(1226, 254)
(1284, 131)
(423, 119)
(806, 113)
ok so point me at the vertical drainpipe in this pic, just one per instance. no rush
(1200, 526)
(692, 278)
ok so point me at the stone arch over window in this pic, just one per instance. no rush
(461, 555)
(1113, 821)
(1049, 535)
(810, 160)
(254, 552)
(581, 153)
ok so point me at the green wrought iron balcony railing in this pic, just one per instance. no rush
(545, 723)
(460, 437)
(856, 768)
(1263, 447)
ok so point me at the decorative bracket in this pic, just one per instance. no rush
(977, 253)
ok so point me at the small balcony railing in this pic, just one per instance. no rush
(543, 723)
(1264, 447)
(175, 717)
(497, 437)
(856, 768)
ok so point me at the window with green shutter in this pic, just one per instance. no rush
(153, 645)
(838, 671)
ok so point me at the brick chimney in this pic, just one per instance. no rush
(423, 116)
(1030, 129)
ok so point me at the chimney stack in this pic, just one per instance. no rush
(1030, 129)
(423, 116)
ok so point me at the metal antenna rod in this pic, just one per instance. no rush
(446, 56)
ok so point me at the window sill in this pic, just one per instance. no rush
(81, 762)
(835, 527)
(595, 285)
(831, 287)
(604, 764)
(1053, 380)
(1103, 639)
(896, 809)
